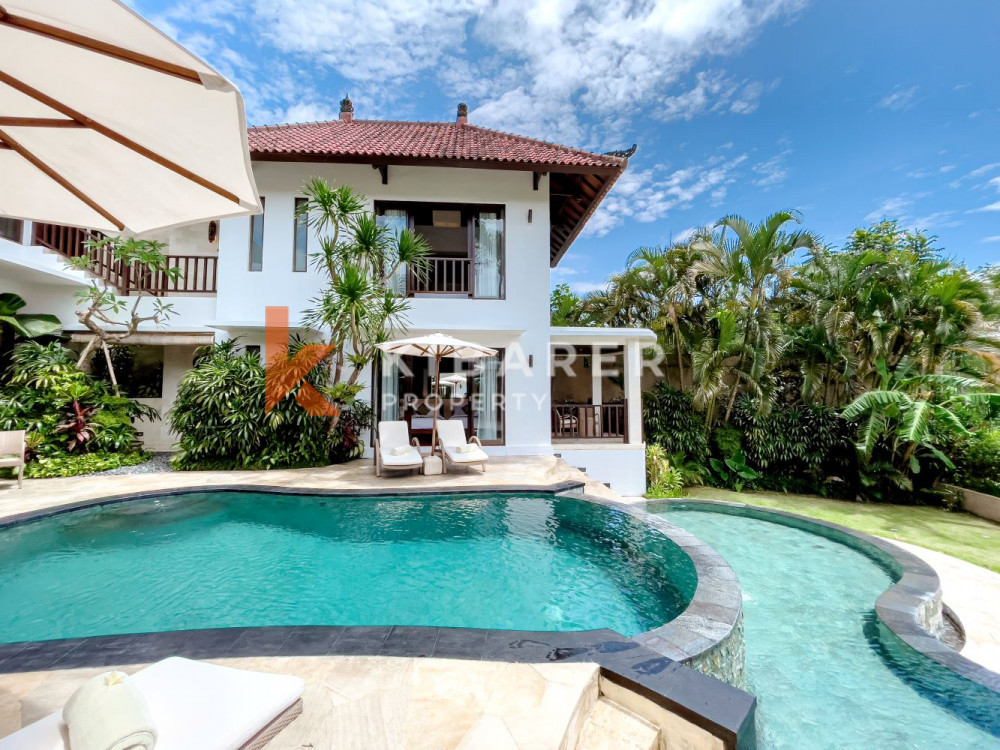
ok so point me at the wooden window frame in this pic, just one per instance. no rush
(470, 212)
(253, 218)
(376, 389)
(19, 234)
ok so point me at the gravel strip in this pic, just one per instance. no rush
(159, 462)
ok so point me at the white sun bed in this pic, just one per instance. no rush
(455, 449)
(194, 705)
(394, 450)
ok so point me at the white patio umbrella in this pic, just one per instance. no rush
(106, 123)
(438, 346)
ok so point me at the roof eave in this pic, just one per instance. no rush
(554, 261)
(420, 161)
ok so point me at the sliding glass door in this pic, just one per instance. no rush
(471, 391)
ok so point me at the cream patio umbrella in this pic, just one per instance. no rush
(438, 346)
(106, 123)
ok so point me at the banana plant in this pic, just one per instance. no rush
(28, 326)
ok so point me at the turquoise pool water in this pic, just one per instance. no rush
(207, 560)
(825, 672)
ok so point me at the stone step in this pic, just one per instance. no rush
(610, 725)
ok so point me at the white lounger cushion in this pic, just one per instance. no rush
(473, 456)
(452, 435)
(193, 704)
(392, 438)
(410, 458)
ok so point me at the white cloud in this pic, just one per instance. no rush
(891, 208)
(563, 270)
(534, 65)
(685, 234)
(900, 98)
(646, 195)
(990, 208)
(946, 168)
(991, 238)
(995, 182)
(985, 169)
(772, 172)
(586, 287)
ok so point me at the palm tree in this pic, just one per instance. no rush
(662, 279)
(752, 266)
(711, 371)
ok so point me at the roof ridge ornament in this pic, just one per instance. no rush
(346, 109)
(624, 153)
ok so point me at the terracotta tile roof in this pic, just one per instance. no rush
(380, 139)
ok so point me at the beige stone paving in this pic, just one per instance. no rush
(364, 702)
(501, 470)
(974, 594)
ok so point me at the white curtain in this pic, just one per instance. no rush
(489, 239)
(396, 220)
(488, 427)
(390, 387)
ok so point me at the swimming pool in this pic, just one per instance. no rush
(825, 671)
(238, 558)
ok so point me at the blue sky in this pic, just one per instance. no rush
(847, 110)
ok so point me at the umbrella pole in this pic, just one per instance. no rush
(437, 401)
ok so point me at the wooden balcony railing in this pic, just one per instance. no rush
(442, 276)
(67, 241)
(199, 273)
(590, 421)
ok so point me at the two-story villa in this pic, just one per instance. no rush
(498, 210)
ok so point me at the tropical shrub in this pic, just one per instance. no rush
(670, 421)
(662, 479)
(347, 443)
(799, 448)
(885, 343)
(82, 463)
(733, 472)
(220, 421)
(63, 409)
(977, 462)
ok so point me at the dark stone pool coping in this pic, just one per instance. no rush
(722, 710)
(906, 608)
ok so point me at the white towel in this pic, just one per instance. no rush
(109, 713)
(468, 448)
(399, 450)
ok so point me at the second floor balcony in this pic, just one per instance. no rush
(198, 273)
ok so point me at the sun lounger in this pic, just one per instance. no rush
(394, 450)
(12, 452)
(194, 705)
(454, 448)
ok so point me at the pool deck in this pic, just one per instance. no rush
(361, 702)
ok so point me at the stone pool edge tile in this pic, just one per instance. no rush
(906, 608)
(724, 711)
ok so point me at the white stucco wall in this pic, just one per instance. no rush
(520, 319)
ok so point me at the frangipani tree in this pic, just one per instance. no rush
(100, 305)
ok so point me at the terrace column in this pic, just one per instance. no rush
(633, 391)
(596, 375)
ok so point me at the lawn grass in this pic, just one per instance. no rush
(960, 535)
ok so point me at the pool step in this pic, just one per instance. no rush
(610, 725)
